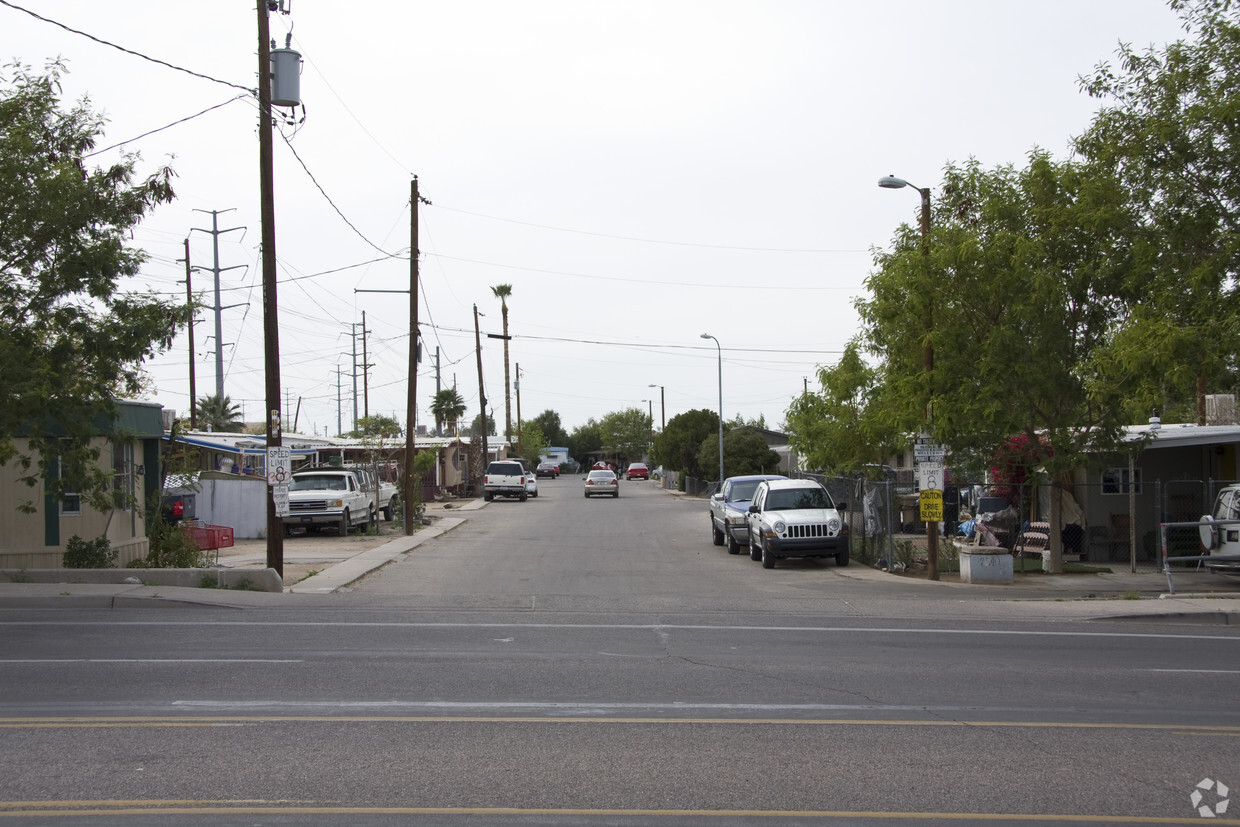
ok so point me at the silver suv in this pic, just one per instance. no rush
(795, 518)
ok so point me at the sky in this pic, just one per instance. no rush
(639, 173)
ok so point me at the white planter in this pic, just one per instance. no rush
(985, 564)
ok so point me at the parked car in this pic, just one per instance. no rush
(547, 469)
(657, 474)
(796, 518)
(531, 485)
(729, 510)
(1222, 542)
(637, 470)
(602, 482)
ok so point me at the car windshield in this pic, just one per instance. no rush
(787, 499)
(318, 482)
(742, 490)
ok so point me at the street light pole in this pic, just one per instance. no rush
(892, 183)
(662, 407)
(719, 347)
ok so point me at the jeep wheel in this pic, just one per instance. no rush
(733, 546)
(841, 559)
(343, 527)
(716, 536)
(768, 559)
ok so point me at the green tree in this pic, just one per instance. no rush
(744, 452)
(476, 426)
(448, 407)
(626, 434)
(549, 422)
(586, 439)
(1167, 129)
(842, 428)
(502, 292)
(71, 341)
(218, 413)
(676, 448)
(1026, 280)
(377, 425)
(533, 443)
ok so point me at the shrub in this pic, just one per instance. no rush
(89, 554)
(170, 548)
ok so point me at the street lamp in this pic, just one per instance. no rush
(719, 347)
(650, 422)
(893, 183)
(662, 407)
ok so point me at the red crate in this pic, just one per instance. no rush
(209, 536)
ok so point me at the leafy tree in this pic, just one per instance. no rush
(739, 421)
(676, 448)
(476, 426)
(585, 440)
(626, 434)
(218, 413)
(1167, 129)
(502, 292)
(70, 341)
(744, 452)
(549, 423)
(377, 425)
(448, 407)
(842, 428)
(533, 443)
(1025, 275)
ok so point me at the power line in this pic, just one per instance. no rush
(162, 128)
(99, 40)
(648, 240)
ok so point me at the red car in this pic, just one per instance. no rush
(637, 471)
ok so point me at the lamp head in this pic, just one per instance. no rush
(706, 336)
(890, 182)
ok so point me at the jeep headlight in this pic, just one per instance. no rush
(833, 525)
(778, 526)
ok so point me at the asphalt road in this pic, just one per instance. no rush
(565, 661)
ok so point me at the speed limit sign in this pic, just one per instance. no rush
(279, 466)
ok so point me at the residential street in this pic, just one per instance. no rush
(566, 661)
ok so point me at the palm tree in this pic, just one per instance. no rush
(502, 292)
(218, 413)
(447, 407)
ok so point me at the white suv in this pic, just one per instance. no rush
(795, 518)
(1223, 541)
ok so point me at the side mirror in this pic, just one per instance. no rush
(717, 497)
(842, 506)
(753, 509)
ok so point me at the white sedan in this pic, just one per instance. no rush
(602, 482)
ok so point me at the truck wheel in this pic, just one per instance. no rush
(733, 546)
(841, 559)
(754, 554)
(522, 498)
(716, 536)
(488, 496)
(768, 559)
(343, 528)
(372, 518)
(389, 511)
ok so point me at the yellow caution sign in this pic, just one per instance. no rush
(931, 506)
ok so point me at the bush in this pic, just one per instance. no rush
(89, 554)
(170, 548)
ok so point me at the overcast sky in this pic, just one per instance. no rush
(639, 172)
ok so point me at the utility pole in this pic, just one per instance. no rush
(216, 232)
(411, 402)
(517, 388)
(482, 396)
(365, 372)
(271, 329)
(339, 402)
(353, 336)
(189, 300)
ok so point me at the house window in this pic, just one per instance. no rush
(1116, 481)
(122, 475)
(70, 501)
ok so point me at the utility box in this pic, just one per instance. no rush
(285, 77)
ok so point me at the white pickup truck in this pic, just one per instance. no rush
(329, 496)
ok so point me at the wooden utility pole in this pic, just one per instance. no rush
(193, 391)
(366, 372)
(271, 336)
(411, 404)
(520, 445)
(482, 397)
